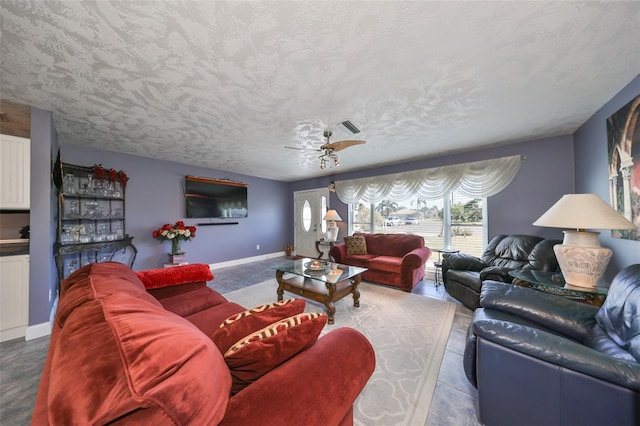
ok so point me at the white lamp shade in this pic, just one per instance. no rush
(583, 211)
(332, 215)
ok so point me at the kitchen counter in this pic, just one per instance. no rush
(14, 247)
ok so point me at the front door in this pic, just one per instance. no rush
(310, 207)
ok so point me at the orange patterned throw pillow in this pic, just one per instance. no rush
(240, 325)
(260, 352)
(355, 245)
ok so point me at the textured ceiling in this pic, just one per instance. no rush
(226, 85)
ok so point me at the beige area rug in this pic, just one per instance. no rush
(409, 334)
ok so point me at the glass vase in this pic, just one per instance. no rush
(175, 246)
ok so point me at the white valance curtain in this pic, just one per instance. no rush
(478, 179)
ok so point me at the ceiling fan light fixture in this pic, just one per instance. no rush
(329, 150)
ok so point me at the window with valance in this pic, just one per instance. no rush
(477, 179)
(434, 198)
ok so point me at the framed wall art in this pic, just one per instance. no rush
(623, 134)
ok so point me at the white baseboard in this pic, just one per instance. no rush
(237, 262)
(38, 330)
(12, 333)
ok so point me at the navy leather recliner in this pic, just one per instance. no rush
(464, 274)
(537, 358)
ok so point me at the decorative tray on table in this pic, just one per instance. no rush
(317, 266)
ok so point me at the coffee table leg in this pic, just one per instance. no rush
(279, 275)
(355, 291)
(328, 302)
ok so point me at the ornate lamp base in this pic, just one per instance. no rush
(581, 259)
(332, 231)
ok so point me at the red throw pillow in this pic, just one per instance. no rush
(184, 274)
(260, 352)
(241, 325)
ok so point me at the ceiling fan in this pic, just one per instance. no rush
(329, 149)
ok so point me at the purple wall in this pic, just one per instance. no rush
(155, 196)
(42, 220)
(544, 177)
(592, 174)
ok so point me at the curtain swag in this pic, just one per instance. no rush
(478, 179)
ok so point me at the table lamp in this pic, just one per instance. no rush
(332, 227)
(581, 259)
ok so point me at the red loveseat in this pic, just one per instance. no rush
(394, 259)
(122, 354)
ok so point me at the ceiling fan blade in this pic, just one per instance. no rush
(303, 149)
(340, 145)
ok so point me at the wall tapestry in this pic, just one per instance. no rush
(623, 131)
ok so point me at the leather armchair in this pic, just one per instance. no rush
(538, 359)
(463, 274)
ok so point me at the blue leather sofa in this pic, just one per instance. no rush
(539, 359)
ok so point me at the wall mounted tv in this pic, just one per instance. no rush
(215, 198)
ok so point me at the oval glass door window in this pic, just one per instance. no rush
(306, 215)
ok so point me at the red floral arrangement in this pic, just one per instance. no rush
(123, 179)
(178, 231)
(112, 175)
(175, 234)
(99, 172)
(103, 174)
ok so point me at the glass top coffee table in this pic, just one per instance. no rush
(554, 283)
(322, 281)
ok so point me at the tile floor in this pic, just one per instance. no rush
(454, 401)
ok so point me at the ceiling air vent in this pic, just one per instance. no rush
(349, 126)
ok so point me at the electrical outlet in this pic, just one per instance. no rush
(257, 246)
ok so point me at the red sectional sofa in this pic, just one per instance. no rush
(394, 259)
(137, 348)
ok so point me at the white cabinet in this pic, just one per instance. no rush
(14, 296)
(15, 172)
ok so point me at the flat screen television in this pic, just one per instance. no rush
(214, 198)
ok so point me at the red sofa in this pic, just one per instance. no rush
(394, 259)
(121, 353)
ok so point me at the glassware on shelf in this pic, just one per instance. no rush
(116, 213)
(76, 230)
(66, 237)
(117, 190)
(119, 233)
(90, 183)
(109, 189)
(73, 212)
(72, 266)
(91, 210)
(70, 184)
(84, 236)
(90, 232)
(88, 186)
(99, 213)
(101, 234)
(102, 189)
